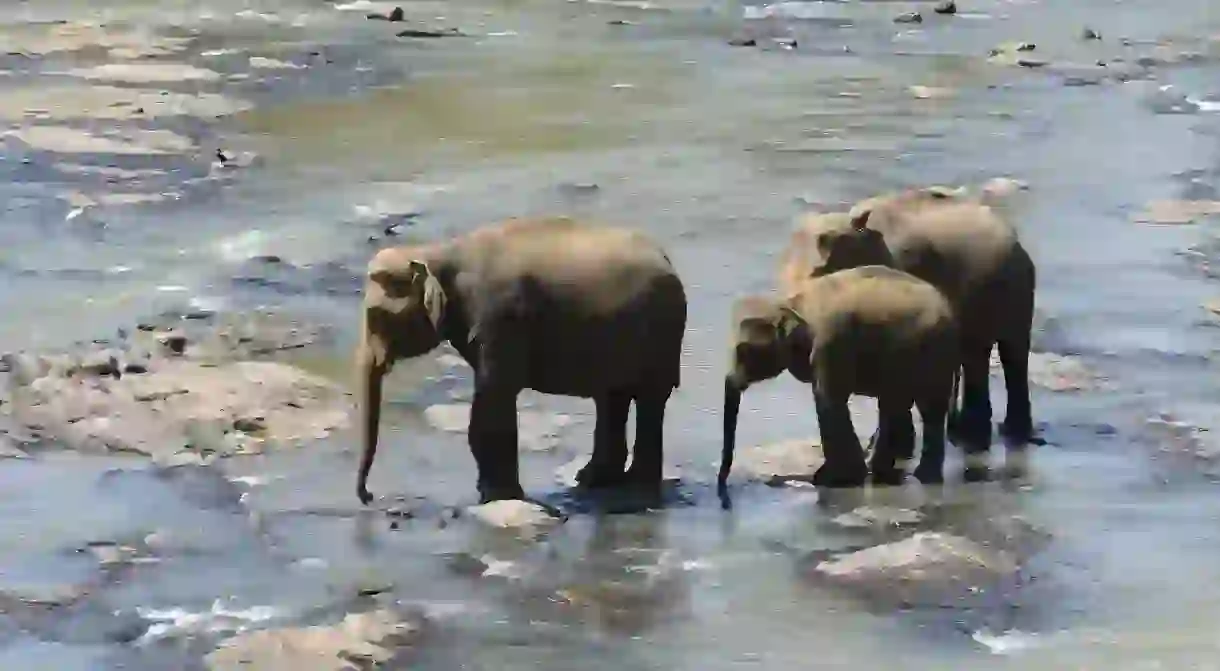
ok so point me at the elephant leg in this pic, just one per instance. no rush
(894, 441)
(605, 467)
(493, 442)
(844, 465)
(648, 453)
(974, 424)
(933, 411)
(1018, 424)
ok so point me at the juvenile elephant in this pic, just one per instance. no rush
(550, 304)
(870, 330)
(962, 247)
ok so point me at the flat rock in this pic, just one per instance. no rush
(111, 103)
(530, 520)
(536, 431)
(777, 463)
(878, 516)
(152, 396)
(146, 73)
(128, 142)
(360, 641)
(119, 42)
(928, 569)
(1177, 212)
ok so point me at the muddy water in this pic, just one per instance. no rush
(637, 113)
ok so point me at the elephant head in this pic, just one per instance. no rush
(404, 305)
(828, 242)
(768, 338)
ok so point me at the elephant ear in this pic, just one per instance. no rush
(432, 295)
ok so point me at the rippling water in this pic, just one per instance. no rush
(640, 113)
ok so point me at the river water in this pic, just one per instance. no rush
(637, 113)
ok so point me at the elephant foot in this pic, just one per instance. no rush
(1020, 433)
(976, 474)
(600, 476)
(487, 494)
(840, 478)
(930, 475)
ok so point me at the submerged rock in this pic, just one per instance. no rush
(360, 641)
(945, 7)
(777, 463)
(909, 17)
(529, 520)
(928, 569)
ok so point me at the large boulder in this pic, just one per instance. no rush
(360, 641)
(169, 394)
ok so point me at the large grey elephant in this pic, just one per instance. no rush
(965, 249)
(549, 304)
(869, 330)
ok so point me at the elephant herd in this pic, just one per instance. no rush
(902, 299)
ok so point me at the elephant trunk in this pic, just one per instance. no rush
(371, 372)
(732, 404)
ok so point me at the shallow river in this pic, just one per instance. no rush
(638, 113)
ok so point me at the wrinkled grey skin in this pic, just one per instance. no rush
(553, 305)
(975, 258)
(870, 330)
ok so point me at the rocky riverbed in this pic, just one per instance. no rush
(192, 190)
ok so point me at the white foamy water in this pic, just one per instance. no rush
(217, 619)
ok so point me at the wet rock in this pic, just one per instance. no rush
(1015, 54)
(361, 640)
(529, 520)
(945, 7)
(1177, 212)
(926, 570)
(124, 142)
(95, 402)
(113, 103)
(1088, 33)
(866, 517)
(431, 33)
(395, 15)
(777, 463)
(145, 73)
(909, 17)
(536, 431)
(929, 92)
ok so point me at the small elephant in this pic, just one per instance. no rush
(549, 304)
(975, 258)
(869, 330)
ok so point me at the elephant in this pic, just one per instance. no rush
(963, 247)
(869, 330)
(551, 304)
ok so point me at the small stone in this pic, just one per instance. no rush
(945, 7)
(909, 17)
(1089, 34)
(743, 42)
